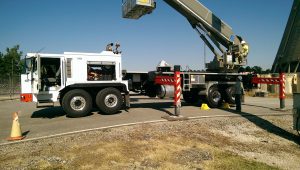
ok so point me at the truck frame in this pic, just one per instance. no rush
(197, 86)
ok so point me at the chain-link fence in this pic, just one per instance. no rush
(10, 87)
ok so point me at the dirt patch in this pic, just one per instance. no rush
(217, 143)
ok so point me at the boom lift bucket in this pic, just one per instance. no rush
(134, 9)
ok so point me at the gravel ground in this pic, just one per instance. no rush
(214, 143)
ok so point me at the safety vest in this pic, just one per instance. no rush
(245, 50)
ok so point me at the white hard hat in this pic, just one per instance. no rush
(243, 42)
(240, 78)
(163, 63)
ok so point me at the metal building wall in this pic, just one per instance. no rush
(288, 56)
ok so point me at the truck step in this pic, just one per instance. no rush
(44, 103)
(186, 82)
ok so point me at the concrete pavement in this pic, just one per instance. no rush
(38, 122)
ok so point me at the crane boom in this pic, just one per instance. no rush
(197, 13)
(212, 30)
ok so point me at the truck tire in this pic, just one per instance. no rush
(214, 97)
(229, 95)
(109, 100)
(77, 103)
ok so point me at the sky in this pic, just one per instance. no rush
(57, 26)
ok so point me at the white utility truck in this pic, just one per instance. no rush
(78, 81)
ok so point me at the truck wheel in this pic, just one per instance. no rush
(77, 103)
(214, 97)
(229, 95)
(109, 100)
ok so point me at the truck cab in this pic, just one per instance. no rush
(78, 81)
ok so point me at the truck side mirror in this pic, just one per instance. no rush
(28, 64)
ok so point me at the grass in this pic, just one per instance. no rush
(169, 153)
(167, 146)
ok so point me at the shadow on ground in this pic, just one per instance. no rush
(162, 106)
(252, 105)
(159, 106)
(50, 113)
(267, 125)
(55, 112)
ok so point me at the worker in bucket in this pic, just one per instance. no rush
(244, 51)
(239, 91)
(245, 48)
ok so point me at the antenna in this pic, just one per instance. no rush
(40, 50)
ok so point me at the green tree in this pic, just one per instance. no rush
(267, 71)
(1, 63)
(257, 69)
(248, 69)
(241, 69)
(10, 62)
(254, 69)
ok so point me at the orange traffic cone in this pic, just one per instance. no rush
(16, 133)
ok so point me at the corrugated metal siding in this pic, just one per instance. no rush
(69, 67)
(288, 55)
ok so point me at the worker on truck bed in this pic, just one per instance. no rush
(109, 47)
(239, 91)
(93, 74)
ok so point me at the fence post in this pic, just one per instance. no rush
(282, 90)
(9, 84)
(177, 91)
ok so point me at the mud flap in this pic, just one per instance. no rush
(127, 101)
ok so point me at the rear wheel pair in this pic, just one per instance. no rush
(78, 102)
(215, 97)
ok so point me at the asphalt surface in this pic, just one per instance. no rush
(40, 122)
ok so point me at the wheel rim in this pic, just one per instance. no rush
(232, 97)
(231, 94)
(216, 96)
(77, 103)
(111, 100)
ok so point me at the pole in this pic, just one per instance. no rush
(177, 91)
(282, 90)
(11, 79)
(204, 55)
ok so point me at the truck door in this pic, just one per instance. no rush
(62, 72)
(36, 74)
